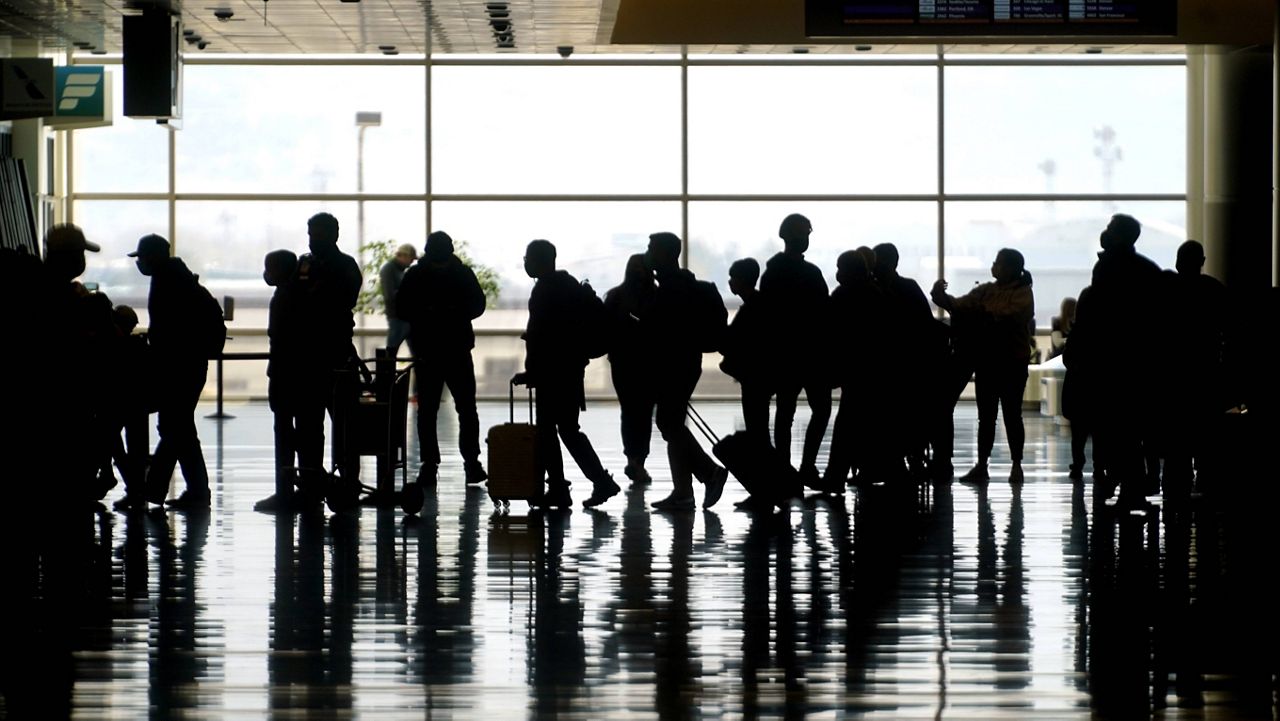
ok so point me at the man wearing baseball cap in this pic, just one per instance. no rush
(181, 371)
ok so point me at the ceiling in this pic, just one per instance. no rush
(496, 26)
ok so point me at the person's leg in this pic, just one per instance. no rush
(819, 398)
(307, 418)
(190, 455)
(784, 415)
(840, 458)
(988, 397)
(1079, 439)
(397, 332)
(636, 416)
(1013, 385)
(429, 378)
(550, 460)
(461, 379)
(755, 410)
(160, 473)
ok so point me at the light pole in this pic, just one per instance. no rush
(364, 120)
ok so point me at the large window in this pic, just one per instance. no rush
(1030, 153)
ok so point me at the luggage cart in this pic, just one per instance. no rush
(371, 419)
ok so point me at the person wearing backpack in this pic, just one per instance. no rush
(557, 337)
(182, 333)
(682, 325)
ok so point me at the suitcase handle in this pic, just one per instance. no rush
(512, 401)
(701, 424)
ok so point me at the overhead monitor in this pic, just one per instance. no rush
(990, 18)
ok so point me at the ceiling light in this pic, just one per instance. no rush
(862, 48)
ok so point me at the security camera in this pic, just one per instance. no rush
(224, 14)
(202, 44)
(565, 50)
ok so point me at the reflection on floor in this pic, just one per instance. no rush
(1031, 602)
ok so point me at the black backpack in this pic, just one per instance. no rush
(710, 319)
(209, 328)
(593, 326)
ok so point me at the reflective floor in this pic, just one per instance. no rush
(958, 602)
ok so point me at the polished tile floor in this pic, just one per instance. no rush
(958, 602)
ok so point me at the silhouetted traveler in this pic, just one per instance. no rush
(1002, 314)
(682, 319)
(132, 402)
(1060, 327)
(747, 348)
(795, 294)
(390, 277)
(559, 309)
(905, 334)
(293, 384)
(628, 306)
(1109, 337)
(440, 296)
(855, 316)
(326, 289)
(181, 366)
(1199, 311)
(1076, 403)
(82, 330)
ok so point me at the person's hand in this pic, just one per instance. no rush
(939, 287)
(520, 379)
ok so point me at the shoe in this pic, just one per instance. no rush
(809, 476)
(715, 486)
(557, 496)
(427, 475)
(102, 485)
(753, 504)
(131, 503)
(674, 503)
(603, 491)
(977, 474)
(1015, 475)
(475, 473)
(636, 472)
(275, 503)
(190, 501)
(1075, 473)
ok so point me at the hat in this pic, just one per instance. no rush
(408, 250)
(439, 245)
(67, 237)
(151, 246)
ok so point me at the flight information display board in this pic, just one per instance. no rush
(943, 18)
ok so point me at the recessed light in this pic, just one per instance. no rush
(385, 48)
(1093, 51)
(800, 51)
(862, 48)
(99, 52)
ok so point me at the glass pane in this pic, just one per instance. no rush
(293, 129)
(556, 130)
(1066, 130)
(593, 242)
(723, 232)
(1059, 241)
(130, 156)
(812, 130)
(225, 243)
(116, 225)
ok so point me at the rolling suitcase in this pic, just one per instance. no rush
(763, 471)
(513, 463)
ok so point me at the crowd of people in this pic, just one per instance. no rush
(900, 368)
